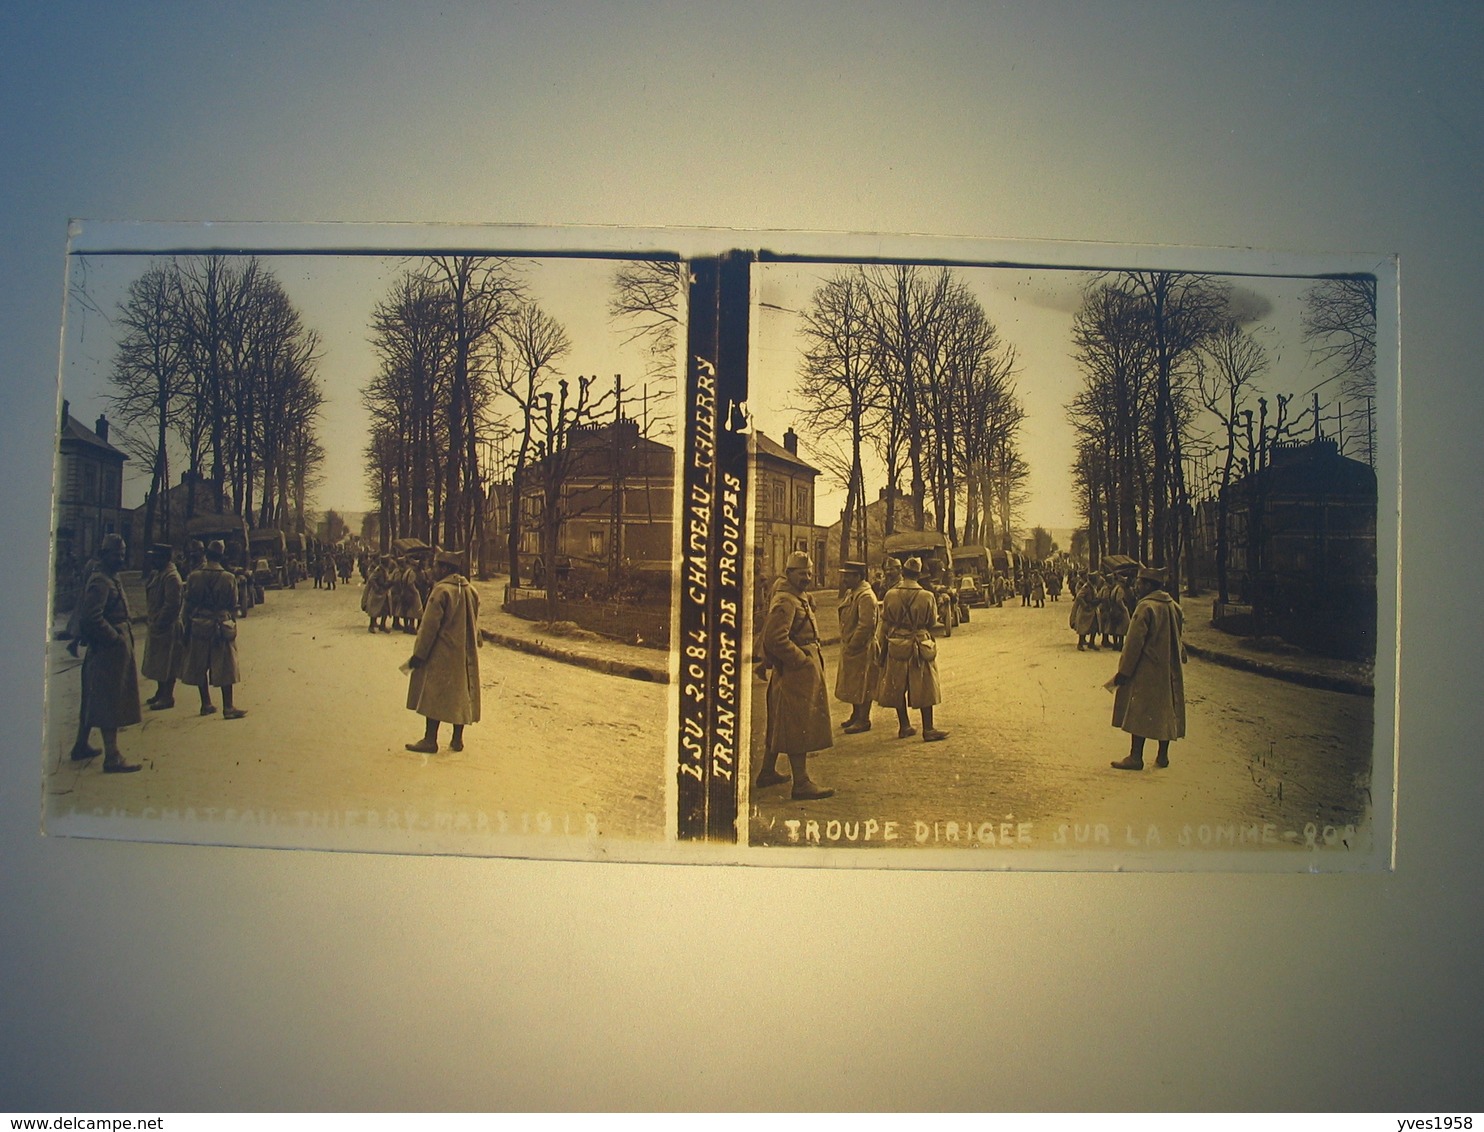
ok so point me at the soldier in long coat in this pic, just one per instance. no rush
(1113, 613)
(110, 683)
(798, 706)
(444, 683)
(164, 592)
(1149, 687)
(1084, 616)
(856, 680)
(376, 598)
(407, 604)
(904, 639)
(211, 632)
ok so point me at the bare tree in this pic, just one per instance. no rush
(1339, 323)
(148, 372)
(535, 343)
(1230, 362)
(840, 385)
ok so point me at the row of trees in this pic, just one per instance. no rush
(469, 400)
(215, 366)
(1170, 381)
(903, 362)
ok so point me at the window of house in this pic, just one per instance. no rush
(801, 502)
(780, 502)
(595, 542)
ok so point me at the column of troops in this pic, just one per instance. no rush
(888, 655)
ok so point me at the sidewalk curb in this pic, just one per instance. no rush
(1293, 675)
(646, 673)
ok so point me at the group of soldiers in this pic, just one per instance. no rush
(191, 638)
(396, 590)
(1102, 608)
(888, 655)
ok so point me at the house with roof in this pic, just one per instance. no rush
(90, 488)
(783, 486)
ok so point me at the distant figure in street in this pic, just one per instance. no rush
(1149, 686)
(211, 632)
(1084, 617)
(164, 592)
(1038, 590)
(856, 680)
(1113, 612)
(1053, 585)
(407, 606)
(110, 683)
(376, 598)
(798, 706)
(904, 638)
(444, 683)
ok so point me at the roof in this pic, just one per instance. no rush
(79, 433)
(765, 447)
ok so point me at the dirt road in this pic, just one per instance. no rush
(561, 752)
(1265, 764)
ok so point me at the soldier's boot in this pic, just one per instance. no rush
(1135, 757)
(1163, 758)
(113, 762)
(428, 744)
(905, 730)
(769, 775)
(805, 789)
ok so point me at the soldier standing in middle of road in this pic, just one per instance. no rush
(110, 683)
(211, 632)
(798, 706)
(855, 682)
(164, 592)
(904, 638)
(444, 683)
(376, 598)
(1084, 616)
(1149, 686)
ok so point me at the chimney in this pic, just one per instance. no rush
(791, 442)
(101, 428)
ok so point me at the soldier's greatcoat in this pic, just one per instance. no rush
(1084, 616)
(856, 681)
(798, 707)
(445, 686)
(211, 641)
(376, 597)
(909, 677)
(110, 682)
(406, 601)
(1151, 702)
(163, 593)
(1113, 613)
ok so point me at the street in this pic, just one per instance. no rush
(1264, 763)
(319, 759)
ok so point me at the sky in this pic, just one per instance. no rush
(1033, 308)
(335, 295)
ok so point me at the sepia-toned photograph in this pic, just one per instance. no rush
(364, 551)
(1059, 564)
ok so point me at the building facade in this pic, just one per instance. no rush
(617, 492)
(90, 489)
(783, 486)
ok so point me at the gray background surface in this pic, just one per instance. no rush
(158, 977)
